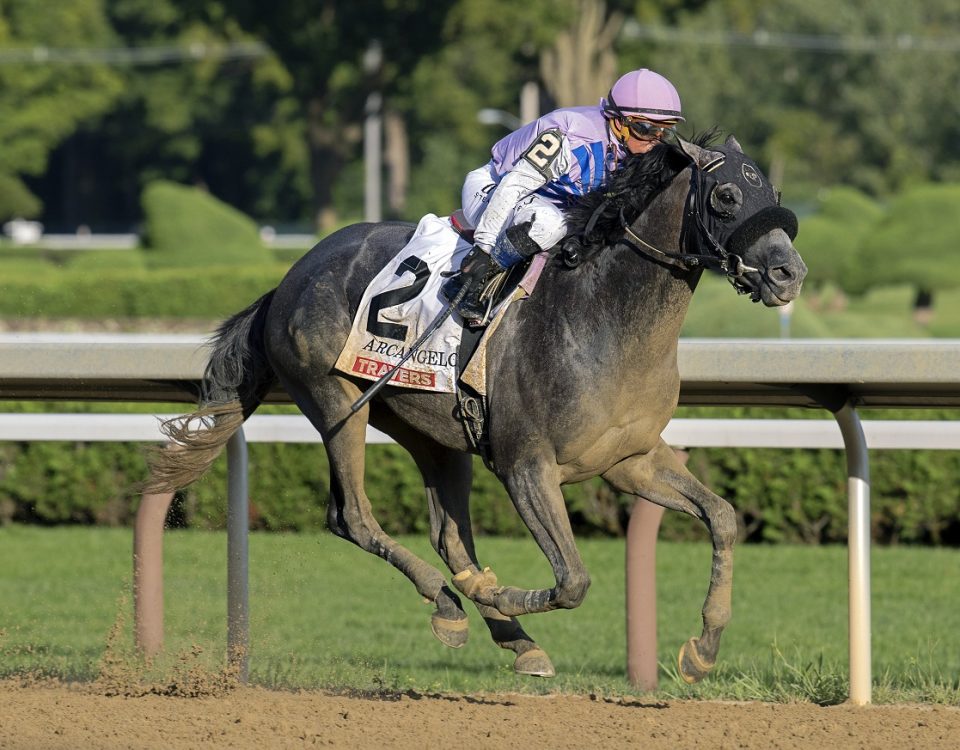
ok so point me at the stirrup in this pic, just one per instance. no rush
(478, 303)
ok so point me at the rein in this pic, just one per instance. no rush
(730, 264)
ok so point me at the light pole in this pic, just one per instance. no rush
(529, 110)
(499, 117)
(372, 137)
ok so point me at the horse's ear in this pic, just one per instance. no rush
(700, 156)
(733, 143)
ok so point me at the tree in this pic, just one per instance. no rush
(581, 65)
(916, 242)
(43, 100)
(833, 91)
(829, 240)
(323, 50)
(221, 122)
(490, 48)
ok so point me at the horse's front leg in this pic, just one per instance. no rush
(660, 478)
(535, 490)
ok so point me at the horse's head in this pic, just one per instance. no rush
(734, 217)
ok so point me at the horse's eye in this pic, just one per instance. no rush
(726, 200)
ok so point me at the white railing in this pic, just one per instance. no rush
(880, 434)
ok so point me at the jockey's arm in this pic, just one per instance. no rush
(546, 159)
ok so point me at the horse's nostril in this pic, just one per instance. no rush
(780, 273)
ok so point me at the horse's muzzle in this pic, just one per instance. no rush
(782, 270)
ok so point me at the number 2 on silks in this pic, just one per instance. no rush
(544, 150)
(395, 297)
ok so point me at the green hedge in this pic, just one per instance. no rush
(797, 496)
(212, 292)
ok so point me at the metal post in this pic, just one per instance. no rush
(641, 588)
(372, 158)
(238, 522)
(641, 585)
(373, 137)
(785, 312)
(529, 102)
(148, 572)
(858, 552)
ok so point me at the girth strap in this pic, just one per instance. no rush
(472, 406)
(472, 413)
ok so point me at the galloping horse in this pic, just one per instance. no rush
(581, 380)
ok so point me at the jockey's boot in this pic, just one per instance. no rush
(476, 271)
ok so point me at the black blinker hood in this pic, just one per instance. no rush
(760, 201)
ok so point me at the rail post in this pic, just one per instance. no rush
(238, 524)
(641, 590)
(641, 585)
(858, 552)
(148, 571)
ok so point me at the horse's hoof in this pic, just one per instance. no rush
(693, 667)
(534, 662)
(452, 633)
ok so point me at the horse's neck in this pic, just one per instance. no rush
(643, 301)
(653, 300)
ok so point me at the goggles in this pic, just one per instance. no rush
(647, 130)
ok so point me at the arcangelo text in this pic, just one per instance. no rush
(422, 357)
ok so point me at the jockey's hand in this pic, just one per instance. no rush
(466, 287)
(474, 259)
(476, 263)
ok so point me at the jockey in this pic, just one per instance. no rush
(516, 200)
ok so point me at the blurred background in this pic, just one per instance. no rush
(162, 163)
(204, 131)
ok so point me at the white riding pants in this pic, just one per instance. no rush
(548, 224)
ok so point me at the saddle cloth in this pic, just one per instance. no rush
(403, 300)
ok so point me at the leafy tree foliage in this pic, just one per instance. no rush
(329, 53)
(43, 104)
(851, 92)
(226, 124)
(490, 49)
(830, 239)
(827, 93)
(916, 241)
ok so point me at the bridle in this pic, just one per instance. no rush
(699, 247)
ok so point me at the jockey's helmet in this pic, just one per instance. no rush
(643, 93)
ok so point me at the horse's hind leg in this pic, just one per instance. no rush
(349, 514)
(660, 478)
(447, 478)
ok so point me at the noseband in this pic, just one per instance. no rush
(695, 237)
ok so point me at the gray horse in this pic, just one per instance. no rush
(582, 379)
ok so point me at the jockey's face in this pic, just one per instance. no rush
(640, 145)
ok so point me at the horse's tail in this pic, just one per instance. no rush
(236, 380)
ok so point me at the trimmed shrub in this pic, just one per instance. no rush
(106, 260)
(187, 227)
(213, 292)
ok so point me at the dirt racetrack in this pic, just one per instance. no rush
(36, 717)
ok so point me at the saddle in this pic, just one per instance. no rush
(404, 302)
(459, 223)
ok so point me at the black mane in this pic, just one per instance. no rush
(628, 189)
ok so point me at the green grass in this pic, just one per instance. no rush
(324, 614)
